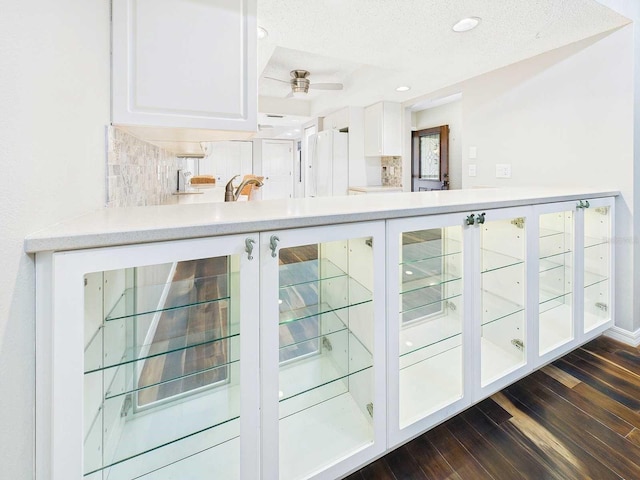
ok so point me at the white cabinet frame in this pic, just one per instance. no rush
(60, 344)
(395, 228)
(269, 315)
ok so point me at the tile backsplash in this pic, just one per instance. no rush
(391, 171)
(138, 173)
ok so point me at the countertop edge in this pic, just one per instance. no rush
(45, 241)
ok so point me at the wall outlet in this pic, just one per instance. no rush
(473, 152)
(472, 170)
(503, 170)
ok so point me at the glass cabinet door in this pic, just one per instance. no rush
(325, 352)
(502, 294)
(425, 324)
(597, 264)
(163, 388)
(556, 277)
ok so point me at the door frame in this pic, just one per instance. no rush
(443, 179)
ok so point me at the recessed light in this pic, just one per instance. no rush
(408, 343)
(408, 272)
(466, 24)
(403, 88)
(262, 33)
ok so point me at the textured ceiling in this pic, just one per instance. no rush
(373, 46)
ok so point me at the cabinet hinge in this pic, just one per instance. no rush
(519, 344)
(126, 405)
(326, 343)
(518, 222)
(369, 242)
(451, 306)
(602, 306)
(602, 210)
(370, 409)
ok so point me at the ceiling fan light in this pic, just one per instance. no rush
(299, 93)
(466, 24)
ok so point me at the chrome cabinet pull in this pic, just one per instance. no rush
(249, 242)
(273, 245)
(582, 204)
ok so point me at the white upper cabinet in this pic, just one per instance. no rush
(185, 64)
(382, 130)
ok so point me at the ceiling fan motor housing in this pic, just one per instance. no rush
(299, 81)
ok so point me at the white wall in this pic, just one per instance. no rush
(54, 99)
(562, 118)
(631, 9)
(449, 114)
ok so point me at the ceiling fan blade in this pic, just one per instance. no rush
(326, 86)
(288, 82)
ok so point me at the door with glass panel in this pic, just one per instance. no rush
(169, 383)
(322, 346)
(556, 277)
(500, 319)
(428, 334)
(597, 221)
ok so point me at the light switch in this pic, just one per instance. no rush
(472, 170)
(503, 170)
(473, 152)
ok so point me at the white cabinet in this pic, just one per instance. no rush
(323, 350)
(337, 120)
(156, 345)
(383, 129)
(476, 301)
(305, 352)
(184, 64)
(575, 281)
(183, 359)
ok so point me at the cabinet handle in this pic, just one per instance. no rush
(481, 218)
(471, 219)
(582, 204)
(273, 245)
(249, 247)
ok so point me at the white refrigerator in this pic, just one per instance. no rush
(328, 167)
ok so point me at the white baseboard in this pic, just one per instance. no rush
(624, 336)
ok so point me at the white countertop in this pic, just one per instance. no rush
(123, 226)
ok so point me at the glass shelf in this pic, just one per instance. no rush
(552, 262)
(417, 338)
(125, 306)
(308, 271)
(549, 232)
(595, 241)
(96, 358)
(549, 300)
(195, 419)
(430, 249)
(419, 299)
(303, 300)
(491, 261)
(311, 328)
(495, 307)
(419, 398)
(195, 378)
(341, 355)
(411, 283)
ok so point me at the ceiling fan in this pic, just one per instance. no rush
(300, 83)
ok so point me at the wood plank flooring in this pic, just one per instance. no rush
(578, 418)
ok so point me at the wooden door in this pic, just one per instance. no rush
(430, 159)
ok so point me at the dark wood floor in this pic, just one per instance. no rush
(578, 418)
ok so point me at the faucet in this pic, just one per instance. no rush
(231, 196)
